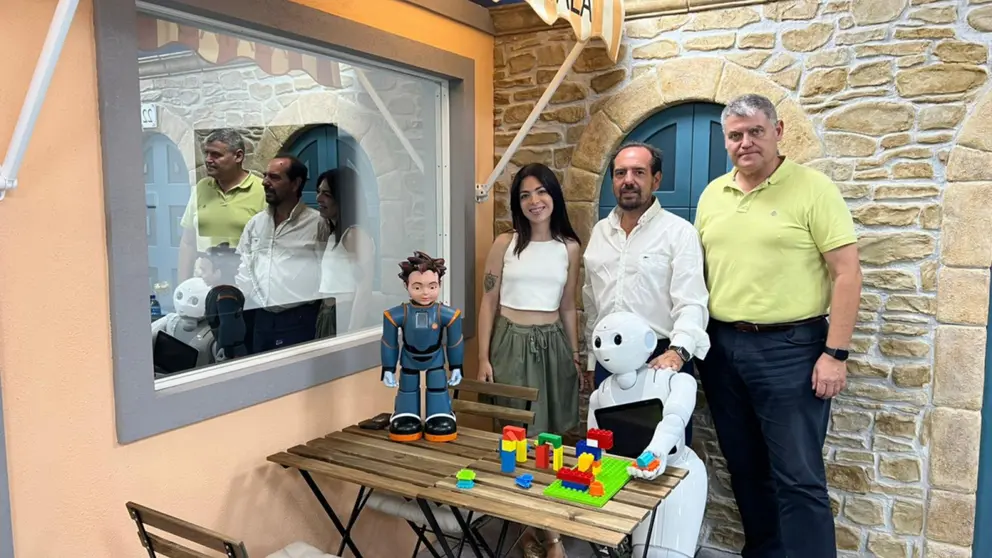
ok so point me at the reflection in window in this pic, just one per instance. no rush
(282, 189)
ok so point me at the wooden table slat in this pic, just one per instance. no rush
(536, 491)
(382, 456)
(371, 467)
(474, 449)
(378, 444)
(540, 519)
(546, 477)
(322, 468)
(523, 500)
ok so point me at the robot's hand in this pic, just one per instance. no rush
(456, 377)
(644, 474)
(389, 379)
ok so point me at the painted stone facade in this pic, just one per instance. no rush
(271, 112)
(891, 99)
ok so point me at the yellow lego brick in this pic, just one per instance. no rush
(596, 469)
(559, 458)
(522, 451)
(585, 461)
(508, 445)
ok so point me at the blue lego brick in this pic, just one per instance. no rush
(645, 459)
(524, 480)
(575, 486)
(508, 461)
(465, 484)
(581, 447)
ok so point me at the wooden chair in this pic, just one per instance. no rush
(156, 545)
(501, 414)
(396, 506)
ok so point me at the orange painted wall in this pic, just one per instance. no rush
(69, 478)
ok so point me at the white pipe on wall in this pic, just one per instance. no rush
(49, 57)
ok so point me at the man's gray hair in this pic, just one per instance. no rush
(747, 106)
(229, 137)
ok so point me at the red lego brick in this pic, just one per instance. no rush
(515, 433)
(543, 454)
(603, 437)
(568, 474)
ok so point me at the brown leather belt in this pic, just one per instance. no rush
(761, 328)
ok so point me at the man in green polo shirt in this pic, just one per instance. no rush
(222, 202)
(785, 282)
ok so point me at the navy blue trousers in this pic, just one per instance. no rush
(771, 428)
(601, 374)
(276, 330)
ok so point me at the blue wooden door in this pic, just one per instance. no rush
(983, 510)
(691, 141)
(326, 147)
(167, 192)
(317, 149)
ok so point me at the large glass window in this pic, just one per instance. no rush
(282, 189)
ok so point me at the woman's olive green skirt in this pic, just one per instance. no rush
(537, 356)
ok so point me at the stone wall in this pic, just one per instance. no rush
(272, 111)
(886, 97)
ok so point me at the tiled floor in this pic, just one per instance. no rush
(573, 548)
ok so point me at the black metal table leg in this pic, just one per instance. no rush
(421, 539)
(438, 533)
(330, 512)
(355, 512)
(647, 541)
(467, 530)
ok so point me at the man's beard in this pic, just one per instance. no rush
(628, 205)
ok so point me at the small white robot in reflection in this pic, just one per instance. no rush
(622, 343)
(189, 322)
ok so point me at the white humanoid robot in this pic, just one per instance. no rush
(622, 343)
(189, 323)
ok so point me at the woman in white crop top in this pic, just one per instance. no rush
(528, 323)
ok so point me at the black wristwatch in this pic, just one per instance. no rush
(839, 354)
(683, 354)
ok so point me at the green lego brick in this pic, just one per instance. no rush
(613, 475)
(466, 475)
(553, 439)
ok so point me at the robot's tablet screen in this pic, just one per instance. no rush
(171, 355)
(633, 425)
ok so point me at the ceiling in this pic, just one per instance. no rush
(492, 3)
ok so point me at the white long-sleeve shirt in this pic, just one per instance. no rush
(280, 266)
(656, 272)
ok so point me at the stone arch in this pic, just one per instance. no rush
(180, 131)
(962, 281)
(327, 107)
(668, 84)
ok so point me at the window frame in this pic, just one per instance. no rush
(141, 410)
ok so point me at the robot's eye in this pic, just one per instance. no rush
(194, 301)
(617, 340)
(179, 295)
(597, 342)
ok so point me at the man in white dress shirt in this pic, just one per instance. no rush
(280, 251)
(648, 261)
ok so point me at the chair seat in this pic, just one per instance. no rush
(400, 507)
(301, 550)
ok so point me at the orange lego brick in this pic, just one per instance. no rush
(596, 489)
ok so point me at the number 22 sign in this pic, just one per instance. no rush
(149, 116)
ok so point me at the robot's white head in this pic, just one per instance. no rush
(622, 342)
(190, 298)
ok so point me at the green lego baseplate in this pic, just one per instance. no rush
(613, 475)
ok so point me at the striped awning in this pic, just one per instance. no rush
(217, 48)
(588, 18)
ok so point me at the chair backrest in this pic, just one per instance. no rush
(157, 546)
(501, 413)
